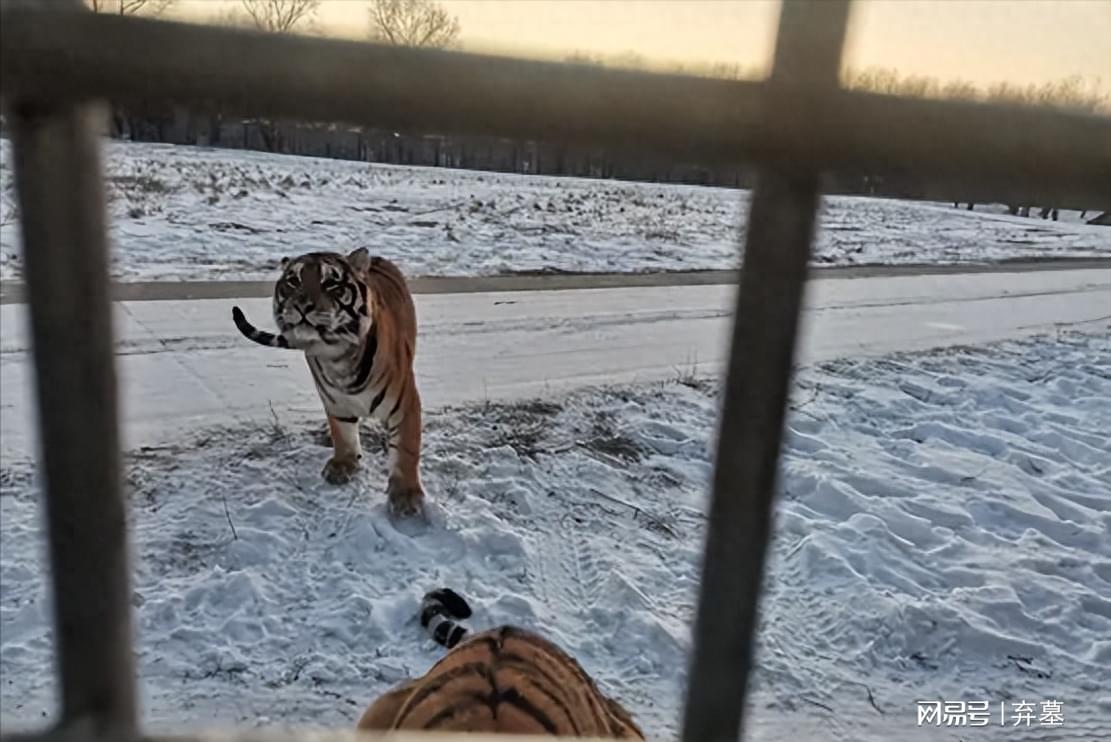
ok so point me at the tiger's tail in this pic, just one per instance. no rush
(251, 332)
(440, 612)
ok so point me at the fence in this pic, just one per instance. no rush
(795, 125)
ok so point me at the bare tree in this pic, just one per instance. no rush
(628, 60)
(1073, 93)
(728, 71)
(279, 16)
(960, 90)
(412, 23)
(129, 7)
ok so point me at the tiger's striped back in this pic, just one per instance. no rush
(506, 680)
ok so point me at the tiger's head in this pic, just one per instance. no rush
(321, 302)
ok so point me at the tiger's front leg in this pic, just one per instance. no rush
(346, 450)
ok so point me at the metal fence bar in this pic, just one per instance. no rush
(991, 152)
(65, 251)
(777, 250)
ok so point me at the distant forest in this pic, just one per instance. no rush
(428, 23)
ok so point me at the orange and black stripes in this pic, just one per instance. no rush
(251, 332)
(506, 680)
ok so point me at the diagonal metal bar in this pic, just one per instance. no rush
(58, 178)
(781, 227)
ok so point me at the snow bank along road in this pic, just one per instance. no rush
(15, 292)
(183, 365)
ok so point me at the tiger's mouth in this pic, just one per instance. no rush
(305, 331)
(316, 339)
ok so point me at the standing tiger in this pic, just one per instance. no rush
(505, 680)
(355, 321)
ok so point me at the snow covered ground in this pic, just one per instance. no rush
(942, 533)
(197, 213)
(183, 365)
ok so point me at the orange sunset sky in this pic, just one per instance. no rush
(983, 41)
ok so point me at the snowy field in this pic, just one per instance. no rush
(197, 213)
(942, 534)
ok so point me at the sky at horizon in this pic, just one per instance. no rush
(982, 41)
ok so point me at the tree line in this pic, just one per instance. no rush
(427, 23)
(401, 22)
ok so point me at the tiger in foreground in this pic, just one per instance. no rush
(505, 680)
(353, 316)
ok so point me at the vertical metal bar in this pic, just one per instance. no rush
(65, 250)
(777, 250)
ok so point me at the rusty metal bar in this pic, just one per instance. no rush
(58, 178)
(990, 152)
(781, 226)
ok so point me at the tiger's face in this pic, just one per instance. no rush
(321, 305)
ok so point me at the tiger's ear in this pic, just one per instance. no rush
(283, 263)
(359, 260)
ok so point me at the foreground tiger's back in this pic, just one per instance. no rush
(503, 681)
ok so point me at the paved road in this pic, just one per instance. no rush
(12, 292)
(184, 366)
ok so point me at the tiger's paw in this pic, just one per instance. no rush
(340, 471)
(405, 501)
